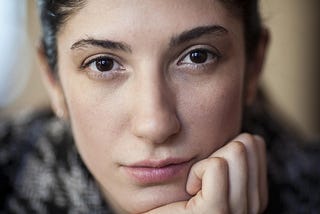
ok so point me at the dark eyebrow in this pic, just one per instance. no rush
(196, 33)
(108, 44)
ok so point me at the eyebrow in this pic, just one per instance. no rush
(196, 33)
(107, 44)
(175, 41)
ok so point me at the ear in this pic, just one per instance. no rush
(255, 66)
(52, 84)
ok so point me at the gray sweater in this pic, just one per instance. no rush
(41, 171)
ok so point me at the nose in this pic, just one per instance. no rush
(154, 117)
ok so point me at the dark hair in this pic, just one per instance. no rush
(54, 13)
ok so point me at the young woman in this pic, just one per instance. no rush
(154, 94)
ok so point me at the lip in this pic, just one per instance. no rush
(150, 172)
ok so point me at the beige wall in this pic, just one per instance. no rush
(290, 76)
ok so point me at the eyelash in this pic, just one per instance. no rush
(95, 73)
(215, 56)
(212, 56)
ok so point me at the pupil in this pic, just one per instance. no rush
(104, 64)
(198, 56)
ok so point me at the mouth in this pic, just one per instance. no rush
(150, 172)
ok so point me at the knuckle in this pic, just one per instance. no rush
(252, 143)
(219, 164)
(258, 138)
(246, 137)
(247, 140)
(260, 141)
(238, 149)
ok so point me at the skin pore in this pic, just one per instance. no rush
(156, 84)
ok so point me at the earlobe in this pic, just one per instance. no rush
(52, 84)
(255, 66)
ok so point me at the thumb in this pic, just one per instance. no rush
(194, 181)
(208, 182)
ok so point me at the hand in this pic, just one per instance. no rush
(232, 180)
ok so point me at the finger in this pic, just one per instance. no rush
(253, 191)
(263, 181)
(212, 175)
(235, 155)
(177, 207)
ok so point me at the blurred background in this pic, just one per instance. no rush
(290, 80)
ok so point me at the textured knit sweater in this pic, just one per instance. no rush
(41, 171)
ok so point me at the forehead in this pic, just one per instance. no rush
(146, 19)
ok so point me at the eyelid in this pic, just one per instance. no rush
(210, 49)
(95, 74)
(86, 63)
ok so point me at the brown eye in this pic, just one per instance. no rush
(104, 64)
(198, 56)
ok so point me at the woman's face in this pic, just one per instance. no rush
(151, 87)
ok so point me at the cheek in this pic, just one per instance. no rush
(213, 115)
(99, 132)
(96, 124)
